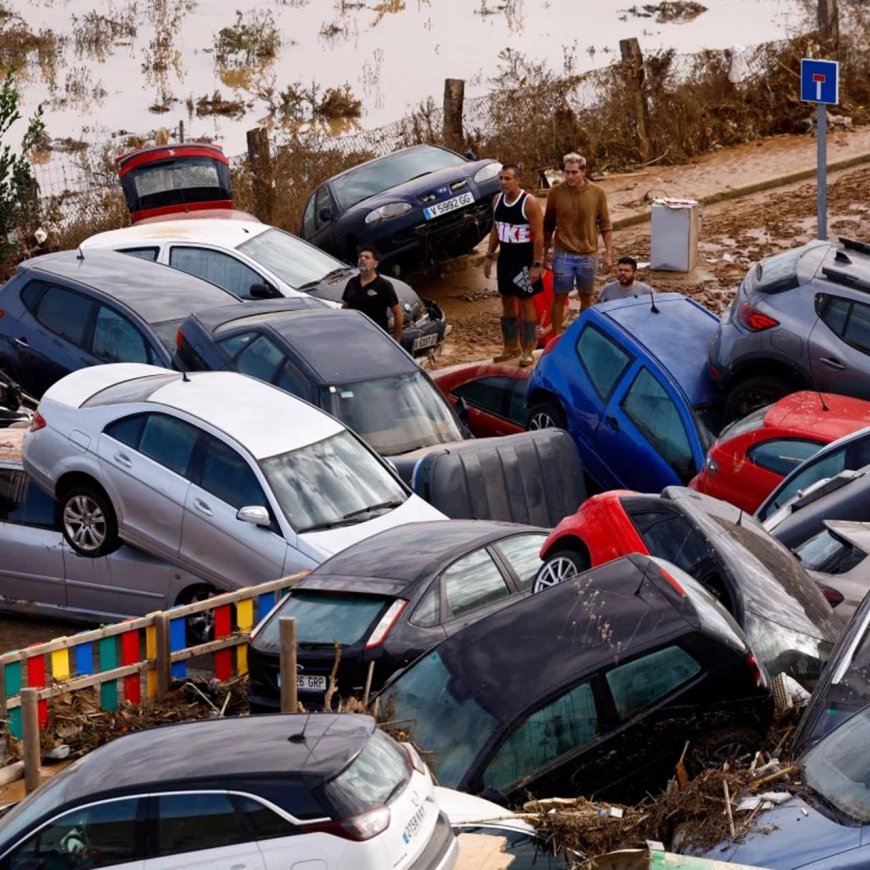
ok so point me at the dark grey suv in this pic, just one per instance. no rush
(800, 320)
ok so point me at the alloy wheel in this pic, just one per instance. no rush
(85, 523)
(554, 572)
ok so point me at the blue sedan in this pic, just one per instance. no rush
(416, 205)
(628, 380)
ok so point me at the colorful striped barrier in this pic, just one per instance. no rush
(111, 658)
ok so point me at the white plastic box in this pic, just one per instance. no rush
(675, 224)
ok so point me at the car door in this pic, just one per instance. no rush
(839, 346)
(472, 587)
(117, 339)
(323, 222)
(31, 565)
(145, 460)
(221, 268)
(521, 554)
(200, 831)
(52, 335)
(643, 439)
(214, 540)
(603, 362)
(490, 403)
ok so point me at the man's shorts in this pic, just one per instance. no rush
(514, 278)
(570, 270)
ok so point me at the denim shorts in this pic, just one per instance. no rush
(574, 269)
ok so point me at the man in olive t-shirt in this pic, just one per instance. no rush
(374, 295)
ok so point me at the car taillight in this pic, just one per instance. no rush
(711, 466)
(672, 581)
(179, 339)
(755, 670)
(386, 622)
(834, 598)
(37, 422)
(414, 758)
(753, 320)
(715, 373)
(358, 828)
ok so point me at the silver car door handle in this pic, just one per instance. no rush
(832, 363)
(22, 341)
(201, 506)
(123, 459)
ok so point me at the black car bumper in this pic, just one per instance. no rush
(427, 332)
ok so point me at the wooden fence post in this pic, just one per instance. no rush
(289, 697)
(261, 167)
(30, 736)
(163, 664)
(829, 24)
(633, 63)
(454, 97)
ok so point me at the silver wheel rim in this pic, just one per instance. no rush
(542, 420)
(555, 572)
(85, 523)
(201, 625)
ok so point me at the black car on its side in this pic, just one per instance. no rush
(338, 360)
(591, 687)
(415, 205)
(390, 597)
(62, 312)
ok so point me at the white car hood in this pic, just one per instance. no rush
(330, 541)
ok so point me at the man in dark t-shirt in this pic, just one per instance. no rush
(372, 294)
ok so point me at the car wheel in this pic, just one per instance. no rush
(712, 750)
(547, 414)
(560, 566)
(199, 627)
(753, 393)
(88, 520)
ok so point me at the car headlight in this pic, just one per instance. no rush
(390, 210)
(487, 172)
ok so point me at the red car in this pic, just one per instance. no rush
(751, 456)
(494, 396)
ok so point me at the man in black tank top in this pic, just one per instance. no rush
(518, 233)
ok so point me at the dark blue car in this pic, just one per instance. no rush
(629, 381)
(338, 360)
(416, 205)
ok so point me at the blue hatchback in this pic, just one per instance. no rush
(629, 381)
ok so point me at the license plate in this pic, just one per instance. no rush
(425, 341)
(305, 683)
(414, 825)
(434, 211)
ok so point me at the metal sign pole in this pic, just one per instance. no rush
(822, 168)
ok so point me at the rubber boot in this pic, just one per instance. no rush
(509, 330)
(529, 340)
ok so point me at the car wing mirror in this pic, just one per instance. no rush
(470, 155)
(325, 215)
(256, 515)
(263, 291)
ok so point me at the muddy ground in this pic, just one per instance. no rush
(733, 234)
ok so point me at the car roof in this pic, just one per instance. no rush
(826, 415)
(237, 746)
(340, 346)
(223, 233)
(257, 415)
(411, 552)
(677, 337)
(391, 156)
(157, 293)
(590, 621)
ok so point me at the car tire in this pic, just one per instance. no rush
(88, 520)
(561, 565)
(712, 750)
(753, 393)
(199, 627)
(546, 414)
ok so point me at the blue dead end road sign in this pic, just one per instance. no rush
(820, 81)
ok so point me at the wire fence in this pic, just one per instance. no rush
(68, 175)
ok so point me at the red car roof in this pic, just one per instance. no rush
(804, 413)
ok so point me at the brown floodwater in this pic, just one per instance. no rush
(132, 66)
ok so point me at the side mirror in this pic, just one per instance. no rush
(325, 215)
(470, 155)
(255, 515)
(263, 291)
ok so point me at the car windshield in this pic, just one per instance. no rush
(838, 768)
(294, 261)
(394, 415)
(335, 482)
(133, 390)
(829, 553)
(373, 178)
(441, 717)
(326, 616)
(804, 476)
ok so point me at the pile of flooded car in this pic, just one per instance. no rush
(562, 604)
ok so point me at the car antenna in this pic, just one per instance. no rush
(300, 736)
(652, 299)
(80, 254)
(818, 392)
